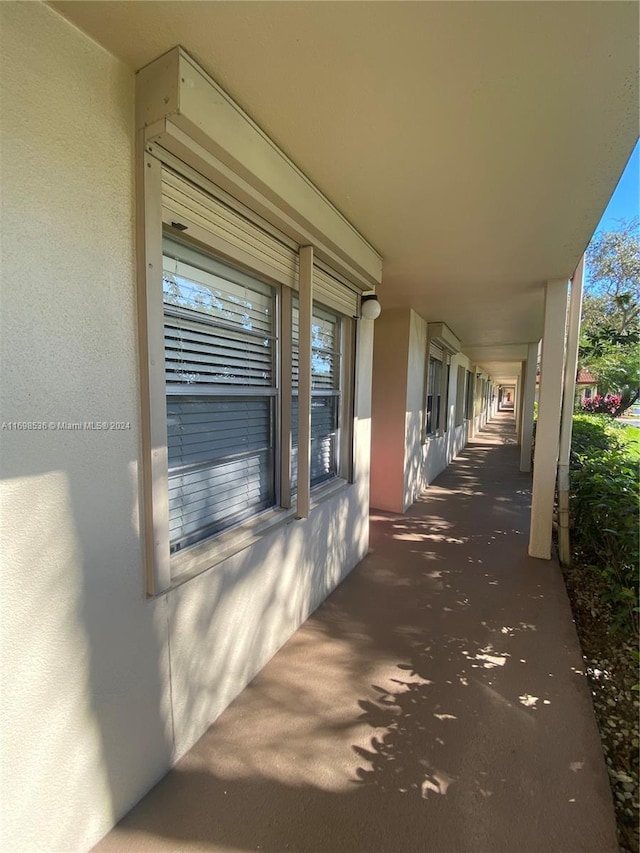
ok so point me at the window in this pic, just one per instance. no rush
(326, 394)
(222, 360)
(587, 393)
(468, 395)
(245, 230)
(460, 395)
(221, 382)
(222, 336)
(445, 408)
(442, 344)
(434, 395)
(477, 397)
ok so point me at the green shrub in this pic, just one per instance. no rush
(592, 434)
(605, 499)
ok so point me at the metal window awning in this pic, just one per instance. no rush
(183, 111)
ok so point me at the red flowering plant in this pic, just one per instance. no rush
(609, 404)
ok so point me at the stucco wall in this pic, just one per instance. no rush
(92, 713)
(84, 667)
(425, 460)
(389, 408)
(414, 418)
(402, 465)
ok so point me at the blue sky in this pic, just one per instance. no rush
(624, 202)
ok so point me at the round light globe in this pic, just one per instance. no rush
(371, 308)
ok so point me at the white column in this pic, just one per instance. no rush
(573, 338)
(472, 422)
(548, 427)
(521, 385)
(528, 398)
(517, 411)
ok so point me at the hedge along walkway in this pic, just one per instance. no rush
(435, 702)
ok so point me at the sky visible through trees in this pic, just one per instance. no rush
(610, 334)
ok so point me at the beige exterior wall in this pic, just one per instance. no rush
(425, 460)
(102, 687)
(481, 415)
(389, 405)
(402, 464)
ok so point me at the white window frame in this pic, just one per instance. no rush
(164, 570)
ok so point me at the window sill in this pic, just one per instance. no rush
(205, 555)
(324, 491)
(210, 553)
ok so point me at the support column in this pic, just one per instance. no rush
(573, 338)
(528, 399)
(548, 428)
(521, 384)
(517, 406)
(472, 421)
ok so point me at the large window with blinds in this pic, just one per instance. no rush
(224, 386)
(441, 346)
(434, 394)
(247, 411)
(221, 349)
(461, 390)
(469, 384)
(249, 348)
(326, 394)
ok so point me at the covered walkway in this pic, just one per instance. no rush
(435, 702)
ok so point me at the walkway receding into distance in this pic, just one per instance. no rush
(436, 702)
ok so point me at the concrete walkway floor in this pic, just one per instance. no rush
(436, 702)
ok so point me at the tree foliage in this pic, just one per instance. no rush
(605, 498)
(609, 346)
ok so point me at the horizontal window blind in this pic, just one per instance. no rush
(434, 395)
(187, 207)
(445, 406)
(326, 366)
(324, 440)
(196, 352)
(220, 459)
(460, 395)
(469, 394)
(325, 349)
(220, 368)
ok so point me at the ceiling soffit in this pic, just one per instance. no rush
(475, 145)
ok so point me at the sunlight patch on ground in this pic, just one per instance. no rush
(437, 783)
(530, 701)
(488, 658)
(510, 630)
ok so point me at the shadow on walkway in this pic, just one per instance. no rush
(435, 702)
